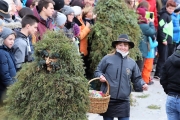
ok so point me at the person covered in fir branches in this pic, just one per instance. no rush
(170, 82)
(7, 64)
(22, 50)
(44, 11)
(119, 70)
(165, 36)
(148, 30)
(176, 26)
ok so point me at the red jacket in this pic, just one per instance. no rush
(152, 8)
(42, 25)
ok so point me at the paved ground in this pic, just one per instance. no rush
(140, 111)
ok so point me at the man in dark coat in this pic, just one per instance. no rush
(170, 80)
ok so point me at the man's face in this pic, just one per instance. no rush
(32, 28)
(50, 10)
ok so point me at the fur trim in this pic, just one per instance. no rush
(13, 25)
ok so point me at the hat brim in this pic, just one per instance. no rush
(4, 15)
(114, 43)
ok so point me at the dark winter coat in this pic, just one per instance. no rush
(171, 74)
(119, 72)
(148, 30)
(43, 25)
(21, 49)
(7, 68)
(165, 27)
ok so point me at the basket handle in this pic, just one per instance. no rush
(107, 93)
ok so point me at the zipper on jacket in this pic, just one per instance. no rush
(120, 79)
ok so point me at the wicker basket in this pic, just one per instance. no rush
(99, 105)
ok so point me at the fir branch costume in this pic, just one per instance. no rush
(60, 94)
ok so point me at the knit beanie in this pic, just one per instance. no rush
(60, 19)
(25, 11)
(5, 33)
(142, 12)
(66, 10)
(58, 4)
(76, 30)
(77, 10)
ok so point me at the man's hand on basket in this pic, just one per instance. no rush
(102, 78)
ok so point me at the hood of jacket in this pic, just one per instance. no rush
(20, 35)
(175, 58)
(6, 48)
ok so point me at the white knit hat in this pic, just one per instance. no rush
(60, 19)
(77, 10)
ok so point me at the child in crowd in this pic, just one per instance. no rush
(7, 65)
(164, 36)
(148, 63)
(148, 29)
(21, 49)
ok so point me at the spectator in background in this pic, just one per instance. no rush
(32, 4)
(71, 29)
(170, 82)
(88, 15)
(22, 50)
(148, 30)
(13, 12)
(176, 27)
(59, 21)
(151, 7)
(44, 12)
(164, 36)
(7, 65)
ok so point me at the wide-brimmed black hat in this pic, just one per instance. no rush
(123, 38)
(4, 9)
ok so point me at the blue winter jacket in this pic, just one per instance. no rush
(147, 30)
(176, 27)
(153, 44)
(7, 68)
